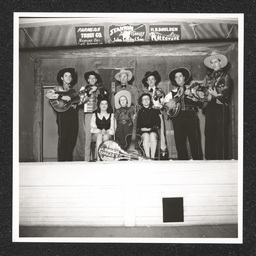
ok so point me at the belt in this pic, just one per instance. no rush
(123, 122)
(190, 109)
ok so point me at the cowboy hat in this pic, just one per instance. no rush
(69, 70)
(185, 72)
(87, 74)
(124, 93)
(221, 57)
(155, 74)
(124, 71)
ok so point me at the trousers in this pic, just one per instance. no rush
(216, 131)
(67, 130)
(186, 126)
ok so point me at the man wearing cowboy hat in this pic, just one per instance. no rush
(218, 83)
(124, 117)
(124, 76)
(67, 121)
(150, 82)
(186, 122)
(89, 99)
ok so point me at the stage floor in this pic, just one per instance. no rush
(195, 231)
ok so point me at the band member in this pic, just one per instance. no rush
(124, 117)
(124, 77)
(216, 111)
(148, 123)
(186, 122)
(89, 99)
(103, 122)
(67, 121)
(150, 82)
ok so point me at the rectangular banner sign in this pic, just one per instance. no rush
(90, 35)
(164, 33)
(127, 33)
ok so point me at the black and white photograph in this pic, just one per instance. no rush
(128, 127)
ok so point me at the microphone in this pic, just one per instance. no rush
(113, 87)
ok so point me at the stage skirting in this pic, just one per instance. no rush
(127, 193)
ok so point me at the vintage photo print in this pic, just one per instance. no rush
(128, 127)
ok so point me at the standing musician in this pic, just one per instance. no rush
(186, 122)
(148, 123)
(94, 88)
(67, 121)
(150, 82)
(218, 84)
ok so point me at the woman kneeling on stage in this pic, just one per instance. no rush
(148, 123)
(103, 122)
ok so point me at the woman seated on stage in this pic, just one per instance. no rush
(124, 118)
(148, 123)
(103, 122)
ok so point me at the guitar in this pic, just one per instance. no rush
(173, 106)
(206, 97)
(61, 105)
(134, 141)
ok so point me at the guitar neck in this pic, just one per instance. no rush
(134, 130)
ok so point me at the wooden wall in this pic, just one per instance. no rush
(126, 193)
(26, 106)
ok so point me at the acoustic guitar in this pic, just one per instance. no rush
(174, 111)
(61, 105)
(134, 141)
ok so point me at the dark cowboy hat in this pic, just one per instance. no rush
(155, 74)
(184, 71)
(87, 74)
(63, 71)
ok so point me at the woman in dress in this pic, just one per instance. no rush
(148, 123)
(103, 122)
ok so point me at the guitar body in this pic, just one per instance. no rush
(60, 105)
(133, 145)
(174, 111)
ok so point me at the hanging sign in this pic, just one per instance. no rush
(164, 33)
(90, 35)
(127, 33)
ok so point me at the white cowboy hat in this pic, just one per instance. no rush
(124, 71)
(124, 93)
(221, 57)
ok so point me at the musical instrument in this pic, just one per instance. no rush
(204, 87)
(110, 150)
(61, 105)
(173, 106)
(134, 141)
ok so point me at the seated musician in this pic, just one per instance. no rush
(103, 122)
(148, 123)
(67, 121)
(124, 117)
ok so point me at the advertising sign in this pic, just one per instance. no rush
(90, 35)
(164, 33)
(127, 33)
